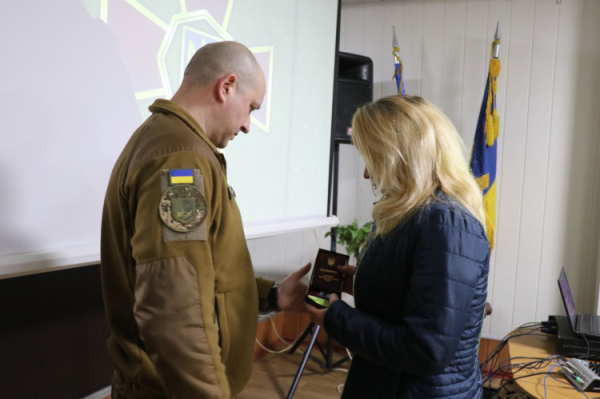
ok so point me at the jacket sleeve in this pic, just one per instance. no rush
(174, 281)
(446, 266)
(264, 288)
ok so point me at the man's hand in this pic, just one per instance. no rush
(292, 291)
(349, 271)
(317, 316)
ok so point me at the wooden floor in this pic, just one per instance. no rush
(272, 377)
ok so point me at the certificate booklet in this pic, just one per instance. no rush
(326, 278)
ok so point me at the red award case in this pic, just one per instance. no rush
(326, 279)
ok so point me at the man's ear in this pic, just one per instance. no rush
(225, 87)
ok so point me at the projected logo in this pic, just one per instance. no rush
(156, 40)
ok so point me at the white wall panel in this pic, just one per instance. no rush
(293, 251)
(374, 45)
(278, 256)
(581, 224)
(261, 257)
(354, 35)
(450, 100)
(433, 51)
(365, 196)
(536, 159)
(556, 212)
(476, 59)
(277, 266)
(412, 28)
(592, 275)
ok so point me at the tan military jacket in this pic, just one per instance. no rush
(180, 293)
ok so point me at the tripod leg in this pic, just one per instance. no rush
(329, 353)
(299, 340)
(304, 359)
(322, 353)
(339, 362)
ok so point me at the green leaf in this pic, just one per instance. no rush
(352, 237)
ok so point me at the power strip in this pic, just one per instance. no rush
(583, 374)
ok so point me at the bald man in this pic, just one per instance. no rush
(179, 289)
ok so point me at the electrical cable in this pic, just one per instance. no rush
(289, 345)
(340, 387)
(571, 385)
(502, 343)
(588, 346)
(534, 365)
(549, 372)
(521, 377)
(500, 368)
(279, 336)
(493, 357)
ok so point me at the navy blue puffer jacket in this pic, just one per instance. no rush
(420, 295)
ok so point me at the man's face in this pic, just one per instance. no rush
(236, 113)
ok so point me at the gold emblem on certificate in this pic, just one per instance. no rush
(326, 279)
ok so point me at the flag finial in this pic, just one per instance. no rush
(496, 52)
(395, 39)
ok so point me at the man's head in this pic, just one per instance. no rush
(223, 83)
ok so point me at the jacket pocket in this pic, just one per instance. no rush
(223, 326)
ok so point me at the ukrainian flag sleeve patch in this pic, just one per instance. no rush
(181, 176)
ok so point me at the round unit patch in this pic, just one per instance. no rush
(182, 208)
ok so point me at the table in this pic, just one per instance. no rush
(541, 346)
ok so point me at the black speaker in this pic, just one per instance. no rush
(354, 88)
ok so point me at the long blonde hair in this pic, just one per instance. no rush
(411, 150)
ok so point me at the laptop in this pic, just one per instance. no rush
(582, 324)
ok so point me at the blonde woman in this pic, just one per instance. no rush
(421, 285)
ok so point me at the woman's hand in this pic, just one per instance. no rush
(349, 272)
(317, 316)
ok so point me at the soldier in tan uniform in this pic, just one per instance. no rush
(180, 293)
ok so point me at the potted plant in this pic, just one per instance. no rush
(352, 237)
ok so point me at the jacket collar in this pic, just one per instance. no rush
(169, 107)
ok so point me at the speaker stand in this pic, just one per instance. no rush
(313, 328)
(327, 364)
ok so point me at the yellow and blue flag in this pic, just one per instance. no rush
(398, 68)
(484, 154)
(182, 176)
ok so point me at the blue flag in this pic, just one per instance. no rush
(485, 147)
(397, 64)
